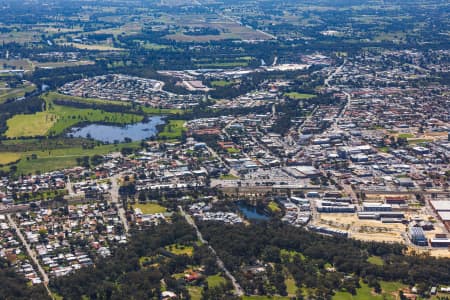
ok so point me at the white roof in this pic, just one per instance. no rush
(441, 205)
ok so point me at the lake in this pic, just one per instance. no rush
(251, 213)
(110, 133)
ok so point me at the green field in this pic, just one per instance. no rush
(291, 286)
(37, 124)
(52, 96)
(419, 141)
(290, 254)
(58, 118)
(265, 298)
(172, 130)
(228, 177)
(150, 208)
(384, 149)
(233, 150)
(273, 206)
(178, 249)
(8, 157)
(153, 46)
(299, 96)
(195, 292)
(221, 83)
(376, 260)
(406, 135)
(215, 280)
(389, 291)
(49, 160)
(162, 111)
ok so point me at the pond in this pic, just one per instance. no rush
(251, 213)
(111, 133)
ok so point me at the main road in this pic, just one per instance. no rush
(31, 253)
(237, 288)
(114, 192)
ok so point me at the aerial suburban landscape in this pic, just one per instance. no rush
(225, 149)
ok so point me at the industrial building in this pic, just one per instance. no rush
(417, 236)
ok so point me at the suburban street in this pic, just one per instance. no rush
(31, 253)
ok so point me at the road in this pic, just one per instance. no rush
(69, 186)
(31, 253)
(115, 199)
(300, 128)
(237, 288)
(332, 74)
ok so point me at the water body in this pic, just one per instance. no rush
(111, 133)
(251, 213)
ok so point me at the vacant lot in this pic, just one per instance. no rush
(368, 230)
(150, 208)
(299, 96)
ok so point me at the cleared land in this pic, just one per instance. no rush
(367, 230)
(273, 206)
(37, 124)
(49, 160)
(195, 292)
(265, 298)
(376, 260)
(291, 286)
(215, 280)
(62, 64)
(299, 96)
(389, 291)
(93, 47)
(8, 157)
(150, 208)
(178, 249)
(221, 83)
